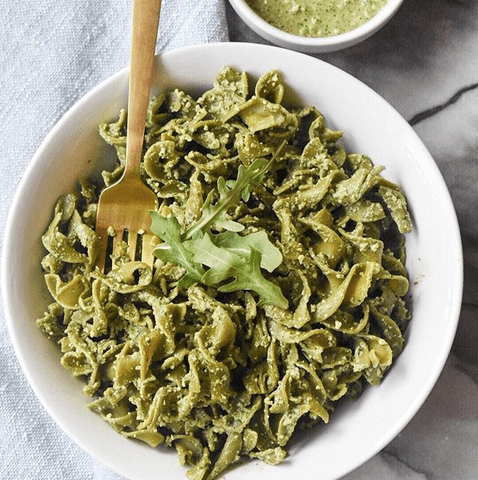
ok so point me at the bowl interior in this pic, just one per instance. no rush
(310, 44)
(358, 430)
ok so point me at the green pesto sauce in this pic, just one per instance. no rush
(316, 18)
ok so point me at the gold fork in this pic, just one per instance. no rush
(125, 206)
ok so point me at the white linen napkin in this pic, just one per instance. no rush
(52, 53)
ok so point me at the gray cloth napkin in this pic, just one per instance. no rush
(51, 54)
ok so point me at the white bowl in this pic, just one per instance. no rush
(314, 45)
(358, 430)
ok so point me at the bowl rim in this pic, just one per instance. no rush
(334, 42)
(16, 206)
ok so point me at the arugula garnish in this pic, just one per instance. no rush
(225, 263)
(229, 193)
(174, 248)
(214, 258)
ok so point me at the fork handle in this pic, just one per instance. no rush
(143, 45)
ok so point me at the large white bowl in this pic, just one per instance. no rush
(313, 44)
(357, 431)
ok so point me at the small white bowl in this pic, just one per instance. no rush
(358, 430)
(314, 45)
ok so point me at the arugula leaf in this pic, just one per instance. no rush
(228, 255)
(271, 257)
(216, 214)
(225, 264)
(173, 249)
(229, 193)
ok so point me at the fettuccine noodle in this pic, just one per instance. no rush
(213, 374)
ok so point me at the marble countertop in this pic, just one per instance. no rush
(425, 63)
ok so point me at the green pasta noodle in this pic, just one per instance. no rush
(217, 370)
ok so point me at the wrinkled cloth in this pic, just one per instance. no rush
(52, 53)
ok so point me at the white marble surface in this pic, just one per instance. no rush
(425, 63)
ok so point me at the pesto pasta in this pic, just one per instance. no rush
(221, 363)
